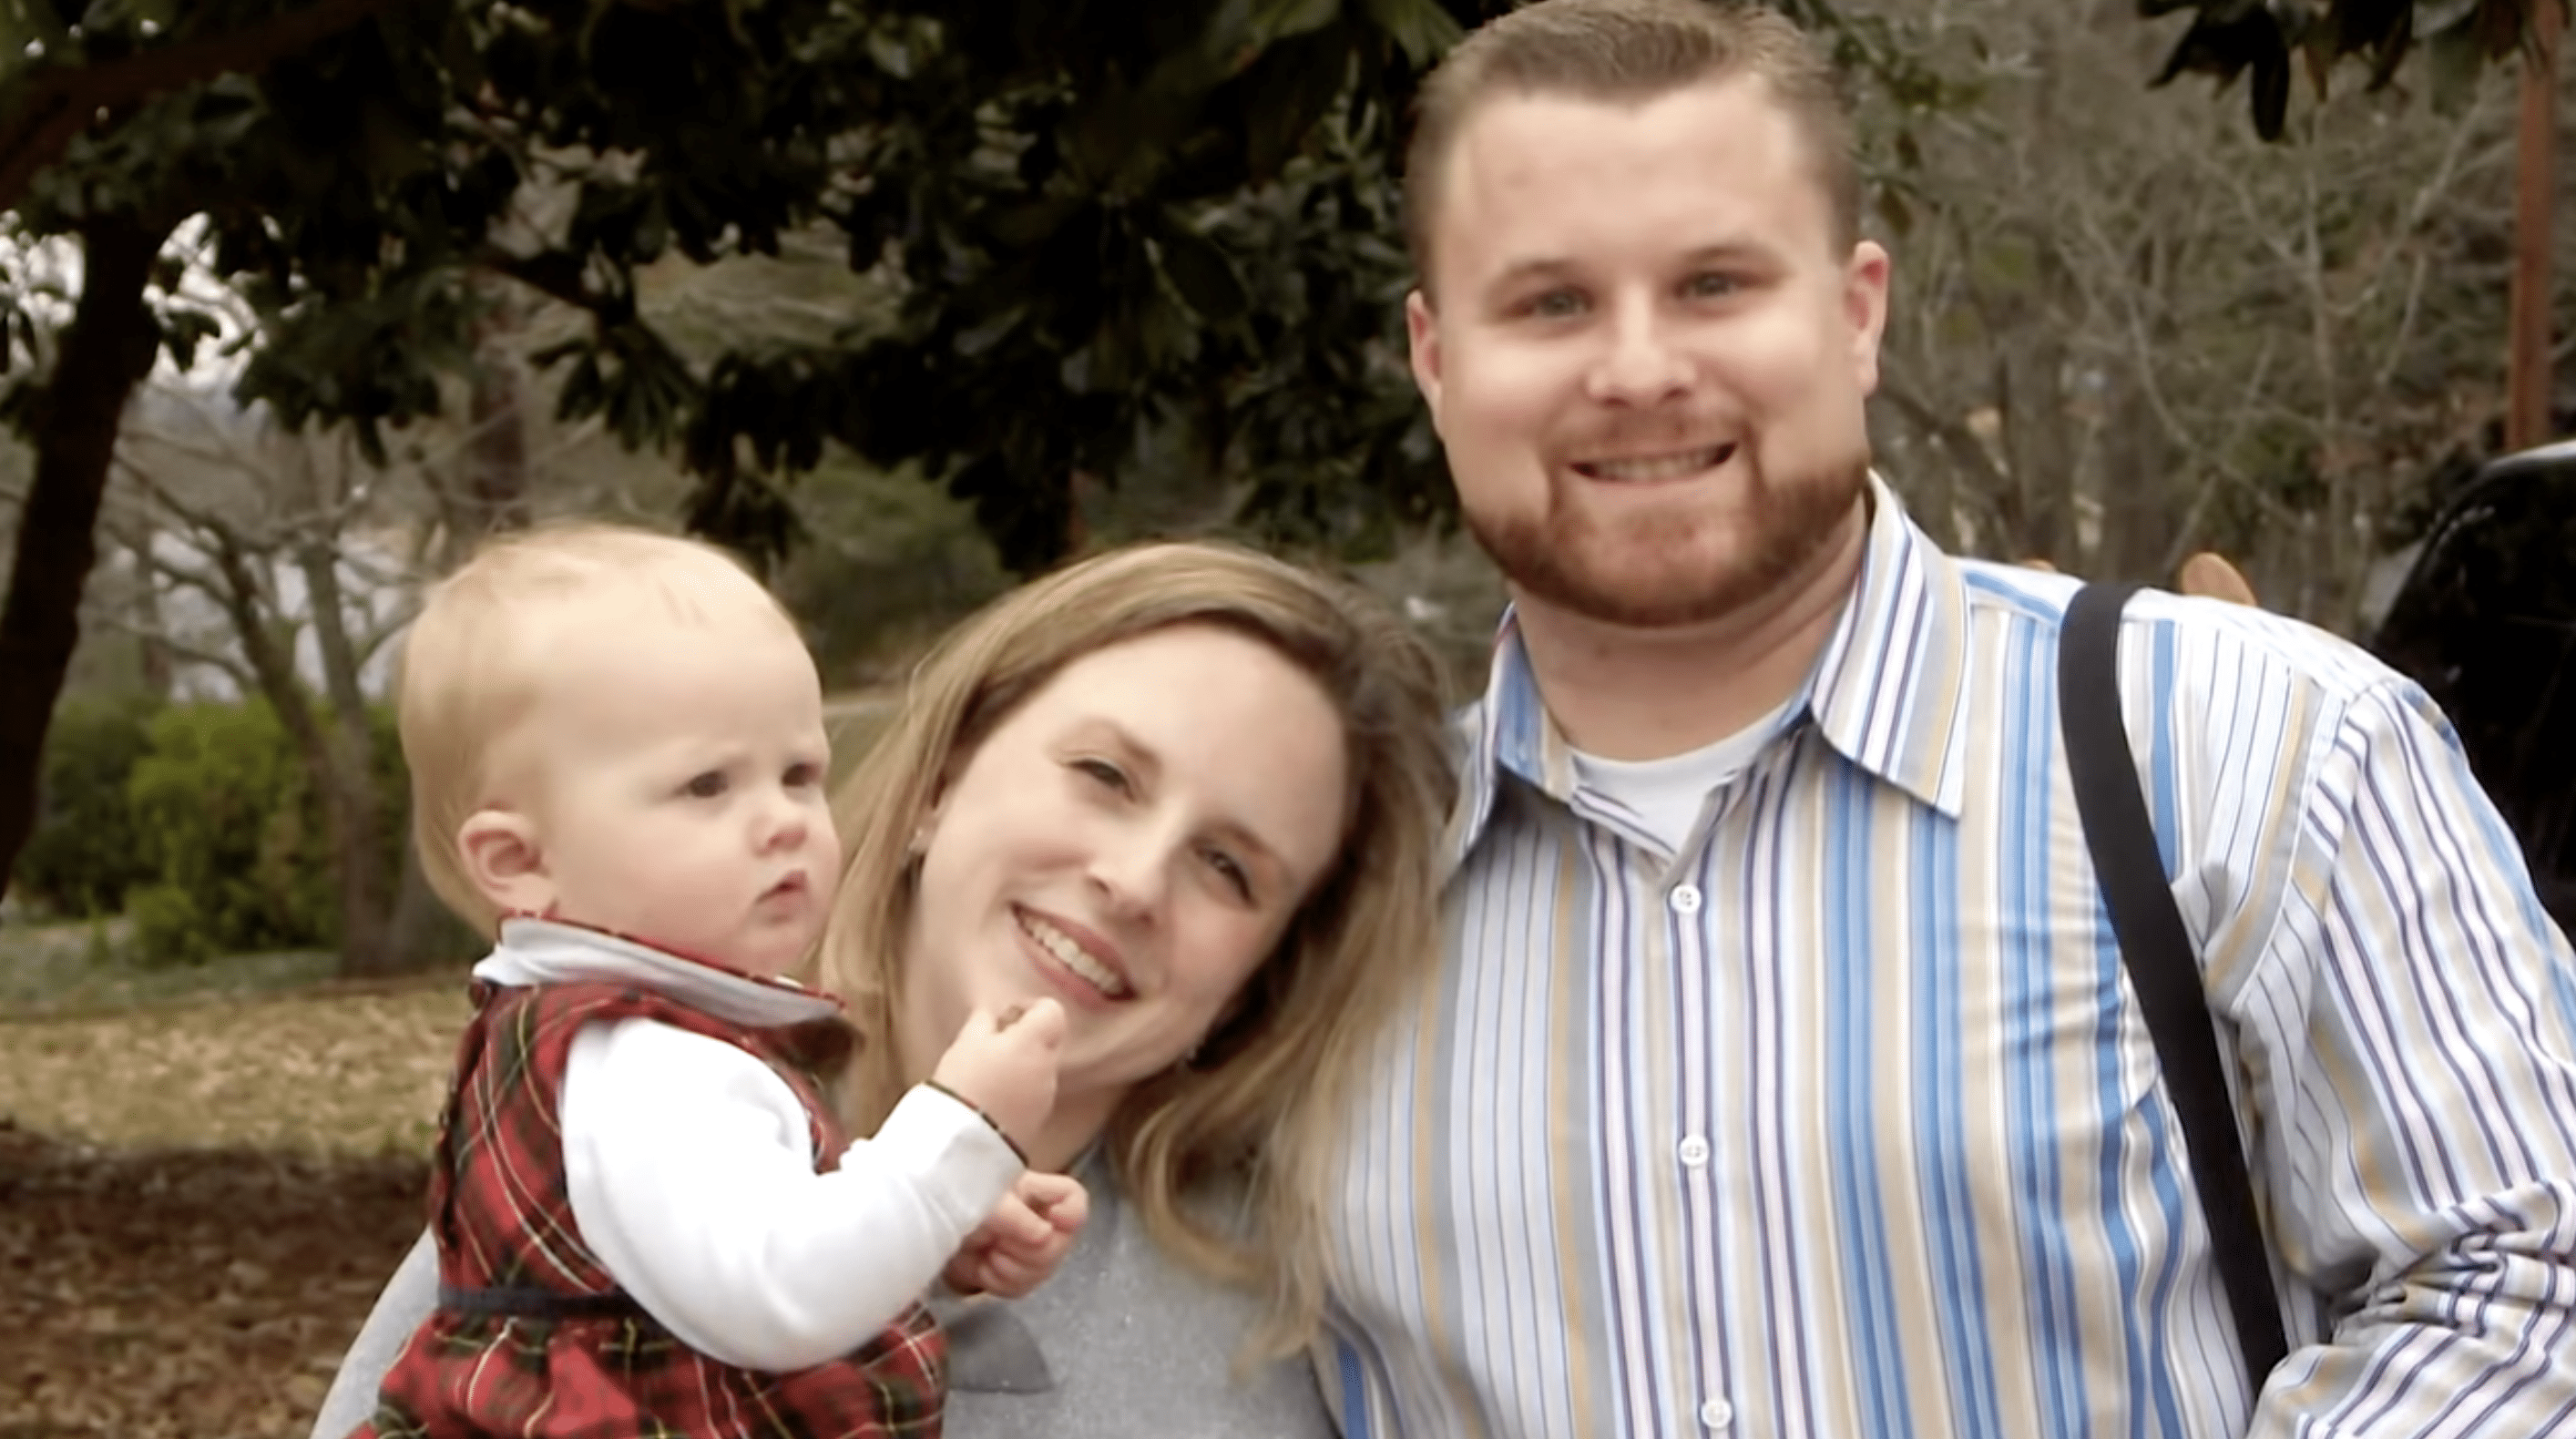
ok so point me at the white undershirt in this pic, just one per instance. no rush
(1667, 794)
(690, 1168)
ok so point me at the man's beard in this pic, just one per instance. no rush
(1656, 571)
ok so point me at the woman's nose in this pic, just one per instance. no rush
(1130, 870)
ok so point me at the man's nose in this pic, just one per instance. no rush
(1642, 361)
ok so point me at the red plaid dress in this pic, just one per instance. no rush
(503, 1221)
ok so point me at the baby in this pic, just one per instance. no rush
(646, 1218)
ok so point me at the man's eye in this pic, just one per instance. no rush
(705, 786)
(1710, 283)
(1553, 305)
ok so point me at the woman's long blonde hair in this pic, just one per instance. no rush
(1260, 1107)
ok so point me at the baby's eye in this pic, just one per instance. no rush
(803, 775)
(706, 786)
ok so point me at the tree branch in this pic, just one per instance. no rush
(59, 104)
(186, 650)
(557, 276)
(1949, 434)
(376, 637)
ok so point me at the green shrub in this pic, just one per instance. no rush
(237, 837)
(84, 852)
(206, 799)
(167, 928)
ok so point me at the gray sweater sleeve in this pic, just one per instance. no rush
(407, 1300)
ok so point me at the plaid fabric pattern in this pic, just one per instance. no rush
(503, 1220)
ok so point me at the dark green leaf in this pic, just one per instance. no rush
(1203, 276)
(1275, 20)
(2270, 95)
(1284, 95)
(1420, 28)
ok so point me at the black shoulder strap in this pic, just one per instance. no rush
(2163, 967)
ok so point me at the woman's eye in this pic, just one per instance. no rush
(1230, 871)
(1105, 774)
(705, 786)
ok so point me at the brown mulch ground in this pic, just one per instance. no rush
(198, 1293)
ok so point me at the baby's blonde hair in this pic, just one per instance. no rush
(475, 662)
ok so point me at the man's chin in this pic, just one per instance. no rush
(1632, 581)
(1654, 571)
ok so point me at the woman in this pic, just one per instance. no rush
(1195, 794)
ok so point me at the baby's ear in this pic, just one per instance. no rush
(502, 857)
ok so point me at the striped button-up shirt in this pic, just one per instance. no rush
(1843, 1123)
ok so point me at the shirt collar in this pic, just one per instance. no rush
(1890, 688)
(542, 951)
(1887, 691)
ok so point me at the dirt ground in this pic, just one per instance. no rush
(205, 1176)
(205, 1293)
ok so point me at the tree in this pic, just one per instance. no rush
(263, 530)
(1036, 172)
(2267, 39)
(2132, 331)
(1115, 233)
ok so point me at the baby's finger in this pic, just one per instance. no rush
(1045, 1253)
(1013, 1278)
(1060, 1197)
(967, 1274)
(1012, 1224)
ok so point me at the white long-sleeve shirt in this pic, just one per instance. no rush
(692, 1174)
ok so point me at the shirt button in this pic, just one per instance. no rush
(1694, 1151)
(1686, 899)
(1717, 1414)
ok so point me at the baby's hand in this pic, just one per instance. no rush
(1027, 1235)
(1004, 1065)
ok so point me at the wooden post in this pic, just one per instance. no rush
(2528, 383)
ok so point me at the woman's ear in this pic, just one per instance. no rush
(508, 866)
(927, 823)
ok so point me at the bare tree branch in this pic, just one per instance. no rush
(1954, 438)
(369, 641)
(181, 649)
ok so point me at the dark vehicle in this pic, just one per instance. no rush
(2486, 621)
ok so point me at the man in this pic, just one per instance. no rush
(1783, 1079)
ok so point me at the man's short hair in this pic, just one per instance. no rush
(1630, 51)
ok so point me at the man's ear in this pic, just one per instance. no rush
(1422, 349)
(1865, 281)
(502, 856)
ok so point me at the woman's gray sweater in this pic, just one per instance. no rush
(1121, 1341)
